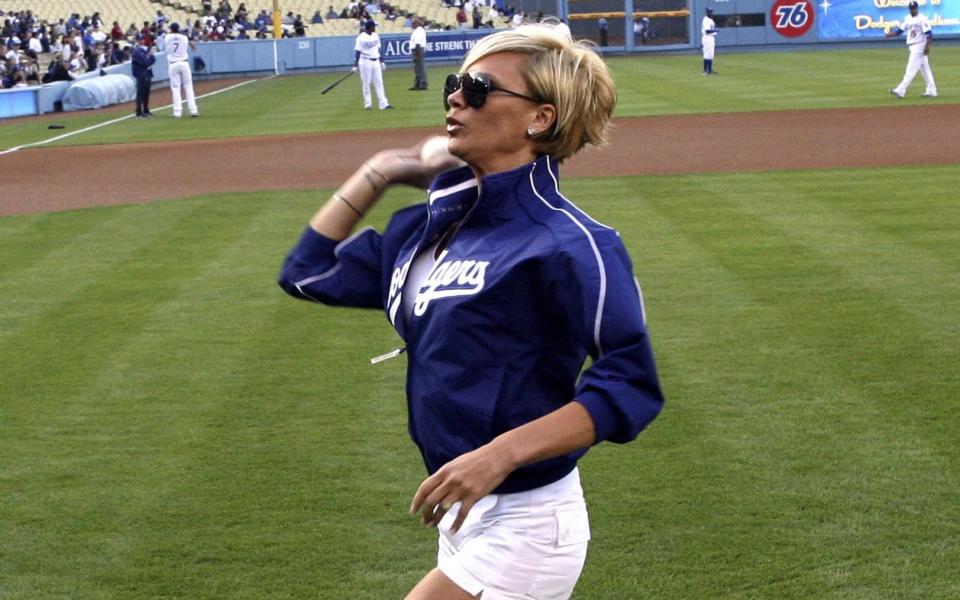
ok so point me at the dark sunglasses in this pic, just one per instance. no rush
(476, 87)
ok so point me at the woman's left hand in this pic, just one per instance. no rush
(465, 479)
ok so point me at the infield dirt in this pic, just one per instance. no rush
(759, 141)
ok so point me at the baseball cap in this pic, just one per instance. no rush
(175, 27)
(370, 24)
(708, 10)
(913, 5)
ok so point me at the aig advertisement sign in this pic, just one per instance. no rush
(869, 19)
(440, 45)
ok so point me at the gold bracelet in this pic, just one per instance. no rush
(347, 202)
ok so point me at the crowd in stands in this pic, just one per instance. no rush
(76, 45)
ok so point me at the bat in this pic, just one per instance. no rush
(335, 83)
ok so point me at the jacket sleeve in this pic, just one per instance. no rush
(603, 306)
(346, 273)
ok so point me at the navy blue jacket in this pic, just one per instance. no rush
(527, 288)
(142, 61)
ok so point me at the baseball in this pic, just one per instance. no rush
(434, 151)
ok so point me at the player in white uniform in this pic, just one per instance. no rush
(367, 59)
(919, 35)
(708, 39)
(177, 46)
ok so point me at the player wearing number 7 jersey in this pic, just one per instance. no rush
(919, 35)
(177, 46)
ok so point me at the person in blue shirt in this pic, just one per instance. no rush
(501, 288)
(142, 61)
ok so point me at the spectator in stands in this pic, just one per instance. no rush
(90, 57)
(132, 31)
(604, 31)
(30, 68)
(517, 19)
(317, 18)
(115, 54)
(13, 49)
(299, 29)
(493, 17)
(160, 19)
(56, 70)
(332, 14)
(98, 35)
(60, 29)
(242, 34)
(76, 66)
(207, 6)
(224, 10)
(477, 17)
(262, 20)
(67, 48)
(86, 39)
(372, 8)
(6, 74)
(32, 43)
(147, 34)
(96, 20)
(461, 18)
(116, 32)
(242, 14)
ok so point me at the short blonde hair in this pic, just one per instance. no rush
(565, 73)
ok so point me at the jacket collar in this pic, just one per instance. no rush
(457, 192)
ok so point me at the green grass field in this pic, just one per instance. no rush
(648, 85)
(172, 425)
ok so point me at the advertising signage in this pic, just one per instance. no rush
(871, 19)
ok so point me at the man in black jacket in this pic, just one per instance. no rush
(142, 60)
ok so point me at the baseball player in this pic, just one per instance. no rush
(919, 37)
(177, 46)
(368, 60)
(708, 39)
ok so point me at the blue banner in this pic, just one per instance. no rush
(452, 45)
(871, 19)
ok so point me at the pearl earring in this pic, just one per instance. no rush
(530, 132)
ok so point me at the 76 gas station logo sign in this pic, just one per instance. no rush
(791, 18)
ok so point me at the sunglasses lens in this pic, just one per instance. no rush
(451, 85)
(475, 88)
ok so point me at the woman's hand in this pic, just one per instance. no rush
(465, 479)
(404, 165)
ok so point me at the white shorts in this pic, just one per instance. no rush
(525, 545)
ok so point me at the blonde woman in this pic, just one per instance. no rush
(501, 288)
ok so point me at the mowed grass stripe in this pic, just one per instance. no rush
(806, 449)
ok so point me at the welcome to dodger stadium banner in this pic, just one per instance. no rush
(855, 19)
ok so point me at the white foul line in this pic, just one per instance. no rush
(124, 118)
